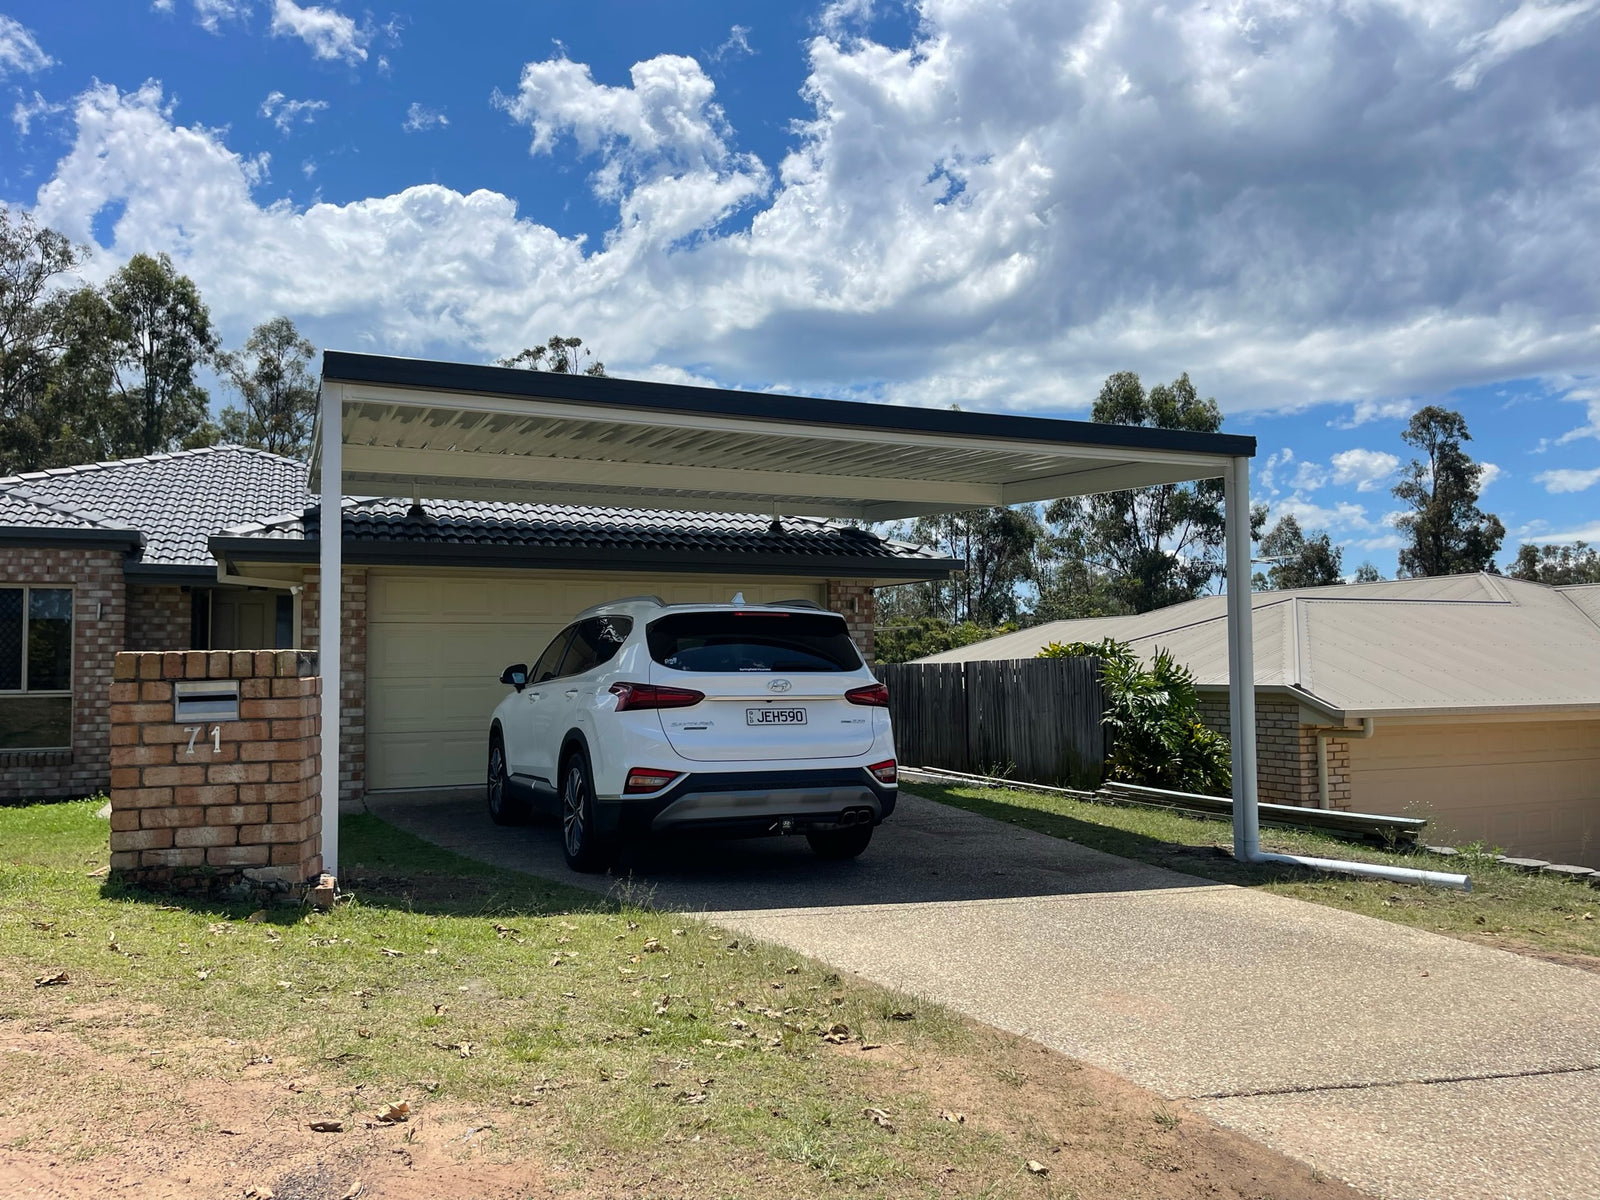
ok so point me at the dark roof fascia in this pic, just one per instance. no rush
(382, 554)
(69, 538)
(608, 392)
(171, 574)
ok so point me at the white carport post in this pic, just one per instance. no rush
(1241, 662)
(331, 529)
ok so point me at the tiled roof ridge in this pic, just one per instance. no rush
(65, 508)
(11, 481)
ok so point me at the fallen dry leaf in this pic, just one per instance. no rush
(98, 872)
(879, 1118)
(524, 1101)
(1036, 1167)
(328, 1126)
(902, 1016)
(954, 1118)
(838, 1034)
(354, 1192)
(388, 952)
(257, 917)
(59, 979)
(259, 1193)
(653, 946)
(395, 1113)
(44, 925)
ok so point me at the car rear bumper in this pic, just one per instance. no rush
(751, 804)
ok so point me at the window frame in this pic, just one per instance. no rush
(23, 690)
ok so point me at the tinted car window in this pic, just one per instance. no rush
(596, 641)
(545, 668)
(746, 641)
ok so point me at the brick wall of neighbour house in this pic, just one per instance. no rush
(159, 618)
(1286, 753)
(99, 616)
(197, 811)
(858, 604)
(352, 671)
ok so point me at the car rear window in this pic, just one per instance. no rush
(746, 641)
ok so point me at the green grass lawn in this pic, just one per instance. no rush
(622, 1045)
(1506, 906)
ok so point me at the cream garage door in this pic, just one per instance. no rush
(436, 644)
(1531, 788)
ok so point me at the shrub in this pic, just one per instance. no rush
(1154, 733)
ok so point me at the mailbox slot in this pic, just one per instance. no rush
(206, 700)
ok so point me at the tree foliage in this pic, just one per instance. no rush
(1299, 561)
(1153, 729)
(1578, 562)
(997, 545)
(1448, 534)
(1367, 573)
(34, 260)
(1158, 545)
(272, 375)
(901, 639)
(563, 355)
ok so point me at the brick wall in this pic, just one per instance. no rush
(159, 618)
(1286, 752)
(99, 618)
(352, 671)
(858, 604)
(193, 814)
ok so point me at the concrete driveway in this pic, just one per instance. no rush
(1411, 1065)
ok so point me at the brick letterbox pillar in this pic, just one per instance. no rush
(216, 769)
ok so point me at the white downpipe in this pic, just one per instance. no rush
(1242, 708)
(328, 621)
(1368, 726)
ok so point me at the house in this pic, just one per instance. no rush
(217, 549)
(1472, 700)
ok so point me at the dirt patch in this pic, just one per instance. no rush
(1097, 1136)
(1584, 962)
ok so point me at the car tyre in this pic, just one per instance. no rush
(585, 849)
(505, 807)
(837, 845)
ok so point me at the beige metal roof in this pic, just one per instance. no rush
(452, 431)
(1465, 643)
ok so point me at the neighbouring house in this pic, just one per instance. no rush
(1471, 700)
(217, 549)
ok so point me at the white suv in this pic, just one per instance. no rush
(737, 719)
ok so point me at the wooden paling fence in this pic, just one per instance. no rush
(1036, 719)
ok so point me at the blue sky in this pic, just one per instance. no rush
(1328, 214)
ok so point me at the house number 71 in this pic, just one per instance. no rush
(195, 731)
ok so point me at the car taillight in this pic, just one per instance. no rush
(648, 695)
(874, 695)
(648, 779)
(885, 772)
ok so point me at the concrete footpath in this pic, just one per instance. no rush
(1413, 1066)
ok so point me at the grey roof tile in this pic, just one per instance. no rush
(558, 526)
(177, 500)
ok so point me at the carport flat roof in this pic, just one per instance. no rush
(459, 431)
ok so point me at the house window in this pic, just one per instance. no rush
(35, 668)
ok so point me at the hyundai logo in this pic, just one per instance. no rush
(779, 685)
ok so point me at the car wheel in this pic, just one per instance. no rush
(505, 808)
(581, 842)
(839, 844)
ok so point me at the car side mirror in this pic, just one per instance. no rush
(516, 676)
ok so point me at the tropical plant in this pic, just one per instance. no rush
(1154, 733)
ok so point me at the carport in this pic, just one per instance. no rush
(448, 431)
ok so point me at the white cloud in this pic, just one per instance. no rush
(26, 112)
(737, 43)
(1375, 410)
(1369, 470)
(329, 33)
(1489, 474)
(283, 112)
(161, 6)
(1289, 201)
(210, 14)
(1565, 480)
(1529, 25)
(420, 118)
(1310, 476)
(20, 52)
